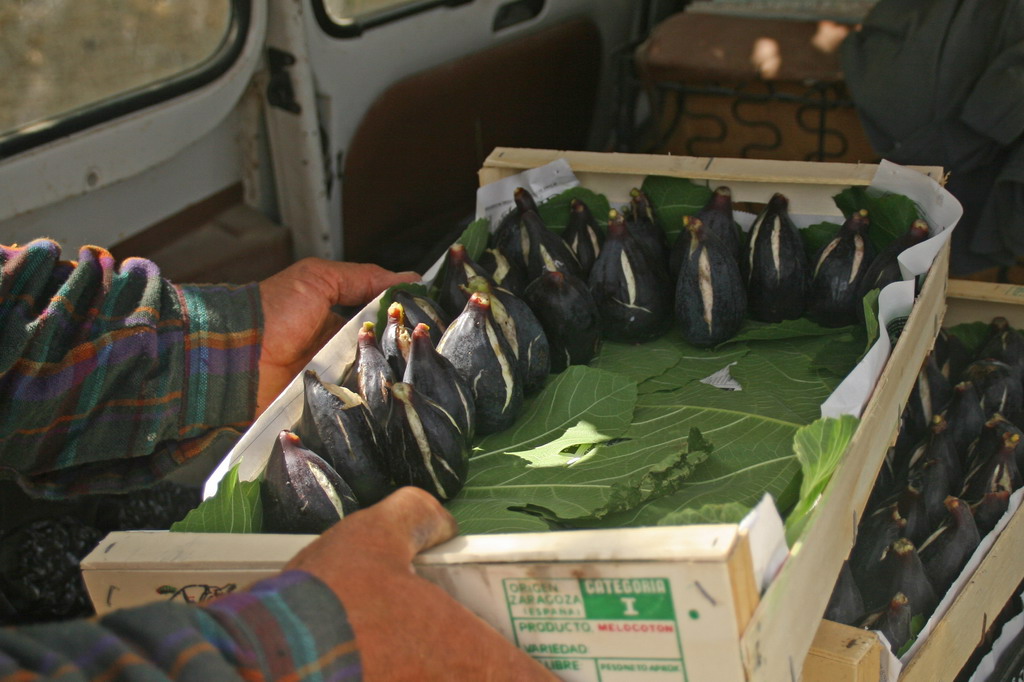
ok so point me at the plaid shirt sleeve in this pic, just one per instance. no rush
(290, 627)
(111, 377)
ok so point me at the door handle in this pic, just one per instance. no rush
(516, 12)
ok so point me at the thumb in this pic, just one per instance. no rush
(358, 283)
(397, 528)
(406, 522)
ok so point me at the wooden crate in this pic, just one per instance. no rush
(968, 301)
(715, 613)
(962, 628)
(601, 604)
(779, 635)
(842, 653)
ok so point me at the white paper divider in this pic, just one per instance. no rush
(767, 535)
(496, 199)
(942, 211)
(852, 394)
(889, 667)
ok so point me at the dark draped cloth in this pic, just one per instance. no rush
(941, 82)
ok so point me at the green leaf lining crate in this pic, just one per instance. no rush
(987, 584)
(689, 601)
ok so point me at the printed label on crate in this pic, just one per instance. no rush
(604, 629)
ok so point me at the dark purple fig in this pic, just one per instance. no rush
(775, 265)
(907, 439)
(526, 241)
(583, 235)
(932, 478)
(902, 571)
(300, 491)
(508, 235)
(542, 247)
(1004, 344)
(476, 346)
(435, 377)
(995, 473)
(524, 200)
(885, 268)
(639, 217)
(846, 605)
(910, 504)
(893, 621)
(458, 268)
(887, 483)
(522, 330)
(506, 240)
(836, 272)
(639, 209)
(374, 375)
(947, 550)
(951, 355)
(914, 456)
(930, 395)
(989, 509)
(420, 308)
(337, 425)
(875, 533)
(998, 385)
(966, 418)
(939, 446)
(395, 341)
(991, 439)
(503, 271)
(718, 218)
(632, 296)
(568, 314)
(710, 299)
(428, 449)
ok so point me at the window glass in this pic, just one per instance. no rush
(344, 12)
(57, 56)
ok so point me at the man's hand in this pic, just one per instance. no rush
(406, 627)
(297, 316)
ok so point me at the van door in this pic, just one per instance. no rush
(224, 145)
(412, 96)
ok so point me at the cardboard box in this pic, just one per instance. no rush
(667, 602)
(987, 583)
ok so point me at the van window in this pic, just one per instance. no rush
(348, 18)
(60, 57)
